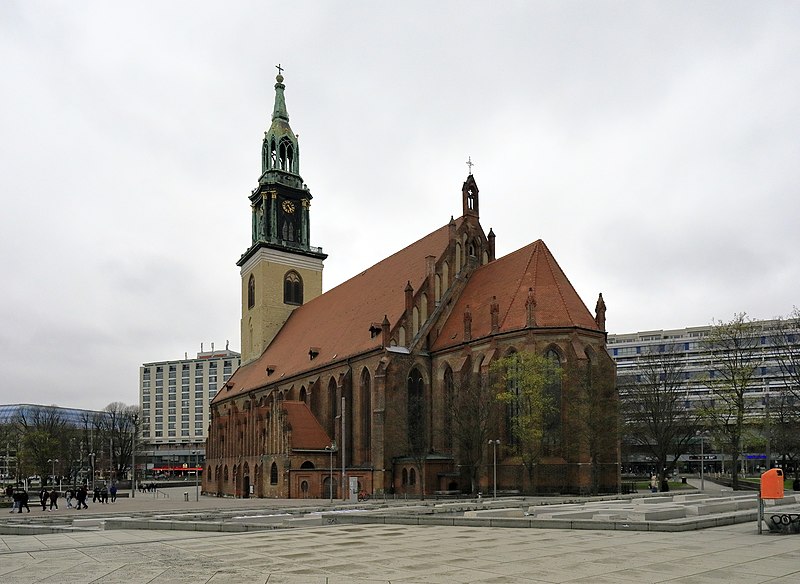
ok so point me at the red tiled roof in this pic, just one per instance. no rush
(307, 434)
(509, 278)
(338, 321)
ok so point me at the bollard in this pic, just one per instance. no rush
(186, 496)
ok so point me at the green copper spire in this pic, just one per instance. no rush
(279, 112)
(280, 153)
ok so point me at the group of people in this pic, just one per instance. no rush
(48, 498)
(101, 493)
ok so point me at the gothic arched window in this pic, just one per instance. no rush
(512, 387)
(273, 474)
(416, 411)
(366, 416)
(551, 435)
(292, 288)
(251, 292)
(449, 403)
(287, 231)
(286, 154)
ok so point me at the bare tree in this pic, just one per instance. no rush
(118, 427)
(734, 360)
(786, 342)
(596, 413)
(781, 426)
(42, 432)
(658, 417)
(472, 406)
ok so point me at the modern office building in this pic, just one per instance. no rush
(79, 445)
(699, 369)
(174, 397)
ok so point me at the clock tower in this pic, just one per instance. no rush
(280, 270)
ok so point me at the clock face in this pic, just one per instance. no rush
(288, 207)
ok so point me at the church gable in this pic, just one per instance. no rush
(306, 431)
(526, 288)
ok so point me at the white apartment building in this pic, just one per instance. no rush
(627, 351)
(174, 397)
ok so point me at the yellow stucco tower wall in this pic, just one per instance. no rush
(269, 268)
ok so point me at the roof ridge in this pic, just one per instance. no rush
(558, 283)
(533, 255)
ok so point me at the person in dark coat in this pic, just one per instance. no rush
(23, 501)
(81, 496)
(113, 492)
(53, 499)
(43, 497)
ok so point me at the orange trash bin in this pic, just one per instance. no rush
(772, 484)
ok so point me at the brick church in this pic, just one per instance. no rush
(361, 385)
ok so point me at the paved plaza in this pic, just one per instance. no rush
(387, 553)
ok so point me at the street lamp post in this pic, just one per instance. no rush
(53, 461)
(494, 444)
(196, 454)
(330, 450)
(702, 436)
(769, 430)
(91, 464)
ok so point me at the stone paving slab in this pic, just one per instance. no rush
(358, 554)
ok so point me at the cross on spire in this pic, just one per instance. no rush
(470, 164)
(279, 68)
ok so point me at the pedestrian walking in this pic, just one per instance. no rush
(53, 499)
(96, 494)
(104, 494)
(69, 495)
(81, 495)
(43, 498)
(113, 492)
(23, 501)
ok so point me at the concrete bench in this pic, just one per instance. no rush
(494, 513)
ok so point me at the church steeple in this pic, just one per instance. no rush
(280, 270)
(280, 152)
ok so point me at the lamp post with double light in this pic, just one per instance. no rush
(495, 444)
(91, 465)
(331, 450)
(53, 461)
(702, 436)
(196, 454)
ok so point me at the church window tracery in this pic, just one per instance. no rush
(251, 291)
(292, 288)
(416, 413)
(551, 435)
(273, 474)
(449, 403)
(286, 155)
(366, 415)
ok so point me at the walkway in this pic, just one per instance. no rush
(360, 554)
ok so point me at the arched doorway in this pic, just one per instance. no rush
(246, 482)
(329, 489)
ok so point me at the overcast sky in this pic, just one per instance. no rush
(654, 146)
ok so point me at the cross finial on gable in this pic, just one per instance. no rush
(279, 68)
(470, 164)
